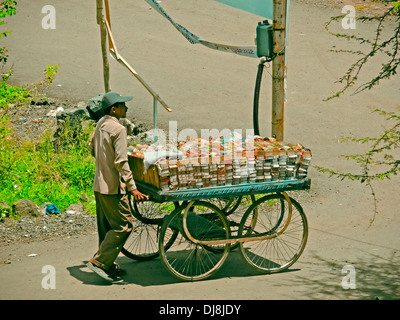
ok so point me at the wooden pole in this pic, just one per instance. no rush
(278, 70)
(103, 37)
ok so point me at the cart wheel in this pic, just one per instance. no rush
(234, 209)
(186, 259)
(235, 216)
(142, 243)
(283, 221)
(227, 205)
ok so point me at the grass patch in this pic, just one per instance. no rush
(51, 170)
(12, 95)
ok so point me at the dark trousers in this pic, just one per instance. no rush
(114, 224)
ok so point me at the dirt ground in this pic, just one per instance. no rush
(209, 89)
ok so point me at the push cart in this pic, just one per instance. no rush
(193, 230)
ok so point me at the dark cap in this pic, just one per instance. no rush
(111, 98)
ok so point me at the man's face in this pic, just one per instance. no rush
(119, 110)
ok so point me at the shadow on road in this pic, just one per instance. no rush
(372, 277)
(82, 273)
(153, 273)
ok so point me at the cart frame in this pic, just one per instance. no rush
(185, 201)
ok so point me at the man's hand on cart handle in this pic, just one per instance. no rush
(139, 196)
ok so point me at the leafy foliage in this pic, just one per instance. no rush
(7, 8)
(48, 170)
(380, 161)
(11, 95)
(390, 47)
(39, 87)
(42, 173)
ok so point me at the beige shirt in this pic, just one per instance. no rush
(109, 147)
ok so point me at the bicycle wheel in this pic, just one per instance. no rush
(188, 258)
(283, 224)
(142, 243)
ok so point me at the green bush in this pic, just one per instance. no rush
(11, 95)
(44, 172)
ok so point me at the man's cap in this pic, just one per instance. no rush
(111, 98)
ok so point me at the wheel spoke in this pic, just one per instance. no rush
(142, 243)
(289, 228)
(190, 261)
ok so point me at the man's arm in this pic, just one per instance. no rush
(122, 165)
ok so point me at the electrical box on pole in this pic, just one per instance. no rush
(264, 40)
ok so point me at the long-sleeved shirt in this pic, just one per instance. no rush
(108, 145)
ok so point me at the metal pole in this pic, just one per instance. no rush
(103, 37)
(278, 70)
(155, 138)
(121, 60)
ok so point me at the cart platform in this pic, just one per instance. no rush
(225, 191)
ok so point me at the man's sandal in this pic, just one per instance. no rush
(101, 272)
(115, 270)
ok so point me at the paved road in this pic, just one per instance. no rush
(209, 89)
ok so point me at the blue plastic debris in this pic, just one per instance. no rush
(52, 209)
